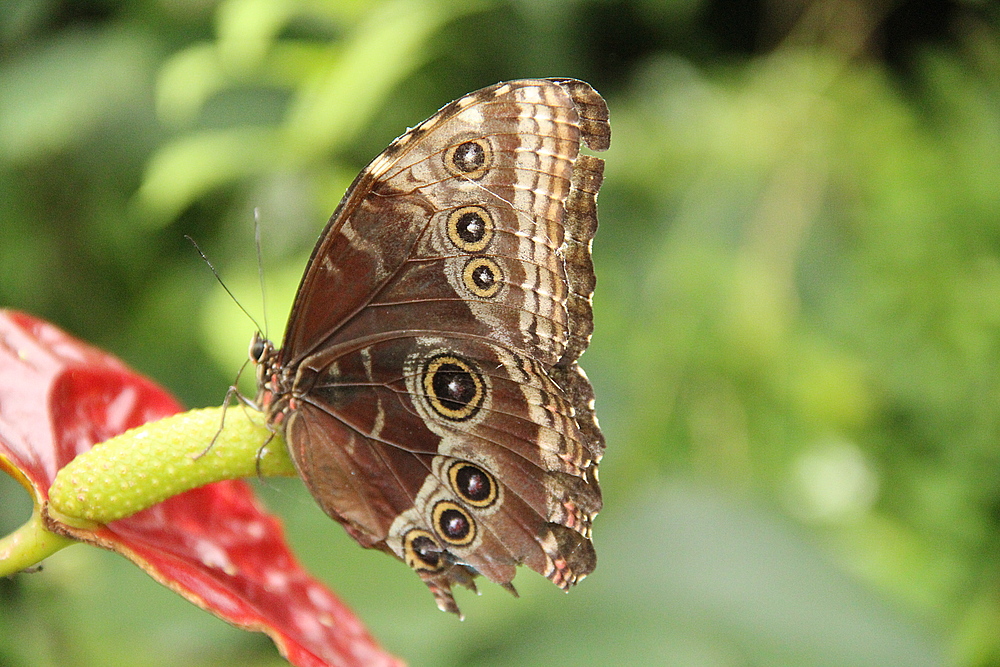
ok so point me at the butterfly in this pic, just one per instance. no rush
(427, 385)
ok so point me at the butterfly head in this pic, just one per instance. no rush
(264, 356)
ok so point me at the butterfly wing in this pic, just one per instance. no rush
(433, 400)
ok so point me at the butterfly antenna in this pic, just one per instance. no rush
(260, 265)
(219, 278)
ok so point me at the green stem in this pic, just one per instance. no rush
(153, 462)
(29, 545)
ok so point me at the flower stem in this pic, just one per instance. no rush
(29, 545)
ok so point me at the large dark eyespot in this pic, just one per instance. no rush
(473, 484)
(483, 277)
(453, 523)
(470, 159)
(469, 156)
(422, 552)
(470, 228)
(454, 387)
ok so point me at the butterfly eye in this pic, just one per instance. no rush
(454, 524)
(473, 484)
(470, 159)
(470, 228)
(422, 552)
(453, 387)
(257, 347)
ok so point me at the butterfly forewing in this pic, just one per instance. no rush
(428, 384)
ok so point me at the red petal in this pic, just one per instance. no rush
(214, 545)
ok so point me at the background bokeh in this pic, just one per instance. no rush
(797, 347)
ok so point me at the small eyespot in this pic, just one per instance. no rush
(454, 387)
(422, 552)
(483, 277)
(453, 523)
(473, 484)
(470, 159)
(470, 228)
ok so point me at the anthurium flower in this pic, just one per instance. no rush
(215, 545)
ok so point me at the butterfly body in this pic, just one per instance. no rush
(428, 384)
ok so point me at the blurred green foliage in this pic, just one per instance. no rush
(797, 347)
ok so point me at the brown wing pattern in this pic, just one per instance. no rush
(428, 383)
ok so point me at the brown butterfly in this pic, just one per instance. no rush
(428, 385)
